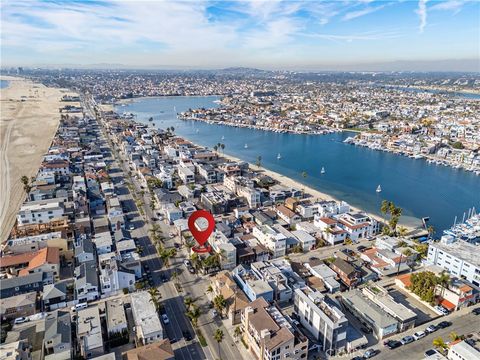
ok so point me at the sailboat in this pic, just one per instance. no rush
(379, 189)
(246, 146)
(198, 131)
(223, 137)
(322, 171)
(279, 156)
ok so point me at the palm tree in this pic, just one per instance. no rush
(188, 301)
(215, 147)
(304, 175)
(218, 336)
(222, 146)
(166, 255)
(220, 303)
(193, 314)
(443, 280)
(26, 186)
(439, 343)
(430, 231)
(154, 297)
(385, 209)
(237, 332)
(259, 161)
(402, 231)
(454, 336)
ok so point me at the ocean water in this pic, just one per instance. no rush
(351, 173)
(3, 84)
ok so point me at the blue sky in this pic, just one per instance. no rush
(308, 34)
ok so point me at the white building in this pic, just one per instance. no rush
(186, 175)
(271, 239)
(319, 315)
(89, 332)
(459, 258)
(463, 351)
(148, 327)
(221, 244)
(42, 211)
(306, 240)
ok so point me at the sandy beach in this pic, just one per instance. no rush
(29, 119)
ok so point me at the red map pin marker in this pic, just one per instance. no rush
(201, 235)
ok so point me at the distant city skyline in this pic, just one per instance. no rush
(295, 35)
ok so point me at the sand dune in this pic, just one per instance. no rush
(28, 122)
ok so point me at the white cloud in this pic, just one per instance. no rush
(358, 13)
(422, 14)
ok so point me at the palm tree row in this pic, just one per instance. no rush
(388, 207)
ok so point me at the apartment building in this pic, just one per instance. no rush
(459, 258)
(322, 318)
(269, 335)
(40, 212)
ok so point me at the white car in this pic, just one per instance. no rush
(441, 310)
(20, 320)
(214, 313)
(419, 334)
(165, 319)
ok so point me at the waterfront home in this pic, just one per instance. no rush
(358, 225)
(46, 261)
(38, 212)
(269, 334)
(331, 232)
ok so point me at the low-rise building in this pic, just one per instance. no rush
(273, 240)
(148, 328)
(18, 306)
(89, 332)
(116, 319)
(252, 286)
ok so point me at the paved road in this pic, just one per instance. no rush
(173, 304)
(463, 322)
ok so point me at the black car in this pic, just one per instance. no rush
(476, 311)
(347, 252)
(444, 324)
(361, 248)
(366, 330)
(186, 335)
(313, 258)
(392, 344)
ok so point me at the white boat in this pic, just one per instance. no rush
(279, 156)
(379, 189)
(322, 171)
(246, 146)
(198, 131)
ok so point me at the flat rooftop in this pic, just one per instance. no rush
(462, 250)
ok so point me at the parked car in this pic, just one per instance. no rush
(370, 353)
(476, 311)
(20, 320)
(361, 248)
(366, 330)
(177, 245)
(444, 324)
(430, 352)
(441, 310)
(407, 340)
(348, 252)
(187, 263)
(392, 344)
(131, 226)
(431, 329)
(214, 313)
(186, 335)
(419, 334)
(312, 258)
(165, 319)
(191, 270)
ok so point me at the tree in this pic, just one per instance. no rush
(26, 183)
(259, 161)
(402, 231)
(188, 301)
(384, 208)
(454, 336)
(209, 289)
(222, 146)
(439, 343)
(431, 231)
(218, 336)
(444, 281)
(154, 297)
(215, 147)
(166, 255)
(407, 252)
(348, 241)
(193, 314)
(304, 175)
(219, 303)
(237, 332)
